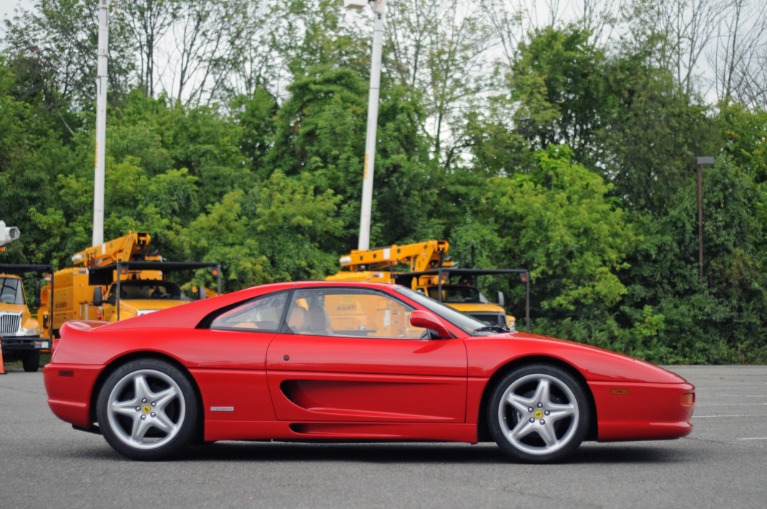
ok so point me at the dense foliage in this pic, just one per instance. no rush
(571, 160)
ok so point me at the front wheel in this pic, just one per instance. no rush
(31, 361)
(147, 410)
(538, 414)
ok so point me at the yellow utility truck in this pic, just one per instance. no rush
(426, 267)
(19, 330)
(117, 280)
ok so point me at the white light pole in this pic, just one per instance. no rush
(379, 7)
(101, 124)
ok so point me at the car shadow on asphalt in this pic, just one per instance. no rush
(390, 453)
(634, 452)
(344, 452)
(638, 453)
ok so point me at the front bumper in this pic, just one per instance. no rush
(643, 411)
(14, 344)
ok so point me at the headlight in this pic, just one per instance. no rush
(29, 332)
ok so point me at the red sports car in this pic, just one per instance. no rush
(350, 361)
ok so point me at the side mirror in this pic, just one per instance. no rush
(98, 296)
(36, 300)
(426, 320)
(501, 299)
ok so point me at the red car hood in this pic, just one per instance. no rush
(595, 364)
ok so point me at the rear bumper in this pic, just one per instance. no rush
(69, 389)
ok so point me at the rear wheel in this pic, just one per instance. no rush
(538, 414)
(147, 409)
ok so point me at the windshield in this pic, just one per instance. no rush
(11, 291)
(136, 290)
(465, 322)
(458, 293)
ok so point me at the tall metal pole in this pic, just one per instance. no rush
(700, 161)
(700, 221)
(101, 124)
(379, 7)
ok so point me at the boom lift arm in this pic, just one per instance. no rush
(406, 258)
(133, 246)
(424, 266)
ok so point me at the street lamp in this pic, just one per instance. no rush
(699, 163)
(370, 141)
(8, 234)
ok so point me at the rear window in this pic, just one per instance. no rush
(259, 314)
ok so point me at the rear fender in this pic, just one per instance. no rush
(80, 325)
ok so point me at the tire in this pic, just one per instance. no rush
(147, 410)
(538, 414)
(31, 361)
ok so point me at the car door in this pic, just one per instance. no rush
(229, 364)
(358, 359)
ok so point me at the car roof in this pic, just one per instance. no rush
(191, 314)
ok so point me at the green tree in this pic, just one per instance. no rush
(274, 232)
(719, 318)
(161, 136)
(744, 138)
(61, 38)
(313, 33)
(223, 234)
(497, 148)
(560, 223)
(293, 220)
(440, 50)
(320, 130)
(256, 115)
(559, 83)
(621, 114)
(32, 151)
(651, 134)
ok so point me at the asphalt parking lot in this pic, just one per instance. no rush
(723, 463)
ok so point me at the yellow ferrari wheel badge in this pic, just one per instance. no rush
(146, 409)
(538, 414)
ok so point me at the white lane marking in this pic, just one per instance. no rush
(739, 395)
(725, 416)
(698, 405)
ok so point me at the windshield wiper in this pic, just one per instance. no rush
(493, 328)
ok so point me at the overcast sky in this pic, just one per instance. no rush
(6, 9)
(7, 6)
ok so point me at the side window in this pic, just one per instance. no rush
(350, 312)
(259, 314)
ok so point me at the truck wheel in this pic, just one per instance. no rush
(538, 414)
(31, 361)
(147, 410)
